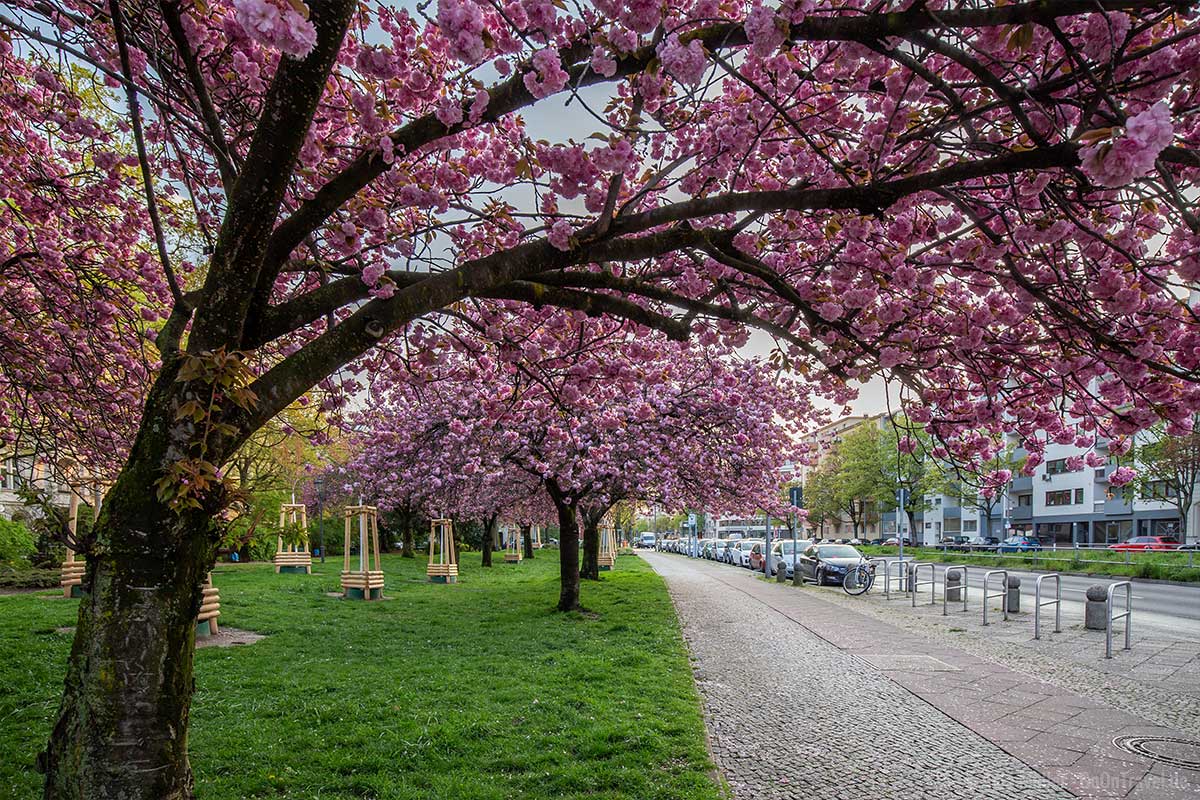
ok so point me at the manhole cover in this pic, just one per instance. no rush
(1167, 749)
(889, 662)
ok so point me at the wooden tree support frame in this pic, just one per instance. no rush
(364, 583)
(72, 570)
(608, 549)
(210, 609)
(293, 557)
(443, 561)
(513, 553)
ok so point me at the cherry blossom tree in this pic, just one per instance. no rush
(593, 410)
(994, 203)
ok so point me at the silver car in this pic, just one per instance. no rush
(783, 554)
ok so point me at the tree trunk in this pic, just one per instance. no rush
(527, 538)
(591, 549)
(568, 551)
(121, 729)
(406, 550)
(489, 534)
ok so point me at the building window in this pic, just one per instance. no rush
(1057, 466)
(10, 474)
(1164, 527)
(1158, 490)
(1025, 500)
(970, 526)
(1059, 498)
(1078, 496)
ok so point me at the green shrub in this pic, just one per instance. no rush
(29, 578)
(16, 543)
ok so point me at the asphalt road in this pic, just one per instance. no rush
(1162, 599)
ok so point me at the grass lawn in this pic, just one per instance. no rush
(475, 690)
(1160, 565)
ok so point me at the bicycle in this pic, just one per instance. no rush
(859, 579)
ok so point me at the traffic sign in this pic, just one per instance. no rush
(796, 495)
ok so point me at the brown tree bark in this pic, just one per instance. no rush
(489, 537)
(406, 548)
(527, 539)
(121, 729)
(591, 548)
(568, 549)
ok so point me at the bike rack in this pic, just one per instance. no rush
(915, 582)
(963, 588)
(1003, 594)
(1127, 615)
(887, 575)
(1037, 603)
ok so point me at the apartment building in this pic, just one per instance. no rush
(18, 471)
(1056, 504)
(1063, 506)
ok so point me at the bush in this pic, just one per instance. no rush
(16, 543)
(29, 578)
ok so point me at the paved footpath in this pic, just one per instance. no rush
(805, 698)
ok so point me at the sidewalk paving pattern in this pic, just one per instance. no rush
(806, 698)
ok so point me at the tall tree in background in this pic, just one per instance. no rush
(1168, 468)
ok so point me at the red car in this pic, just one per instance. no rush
(1147, 543)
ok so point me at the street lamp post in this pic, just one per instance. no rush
(319, 485)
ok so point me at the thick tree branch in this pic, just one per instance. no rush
(254, 204)
(539, 294)
(511, 95)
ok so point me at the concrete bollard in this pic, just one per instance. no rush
(1014, 594)
(781, 574)
(954, 586)
(796, 579)
(1095, 611)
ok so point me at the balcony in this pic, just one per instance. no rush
(1021, 514)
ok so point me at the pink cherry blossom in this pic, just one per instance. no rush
(548, 76)
(1132, 155)
(461, 22)
(686, 63)
(766, 30)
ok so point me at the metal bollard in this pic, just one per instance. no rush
(901, 569)
(915, 583)
(1127, 615)
(1038, 603)
(1013, 602)
(1003, 593)
(959, 573)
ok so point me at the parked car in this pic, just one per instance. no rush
(784, 556)
(725, 553)
(954, 542)
(1147, 543)
(982, 543)
(1189, 546)
(1019, 544)
(825, 563)
(892, 541)
(645, 540)
(741, 552)
(708, 548)
(757, 556)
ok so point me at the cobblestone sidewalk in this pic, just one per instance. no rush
(809, 699)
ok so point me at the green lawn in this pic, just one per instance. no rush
(475, 690)
(1160, 565)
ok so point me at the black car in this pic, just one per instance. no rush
(827, 563)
